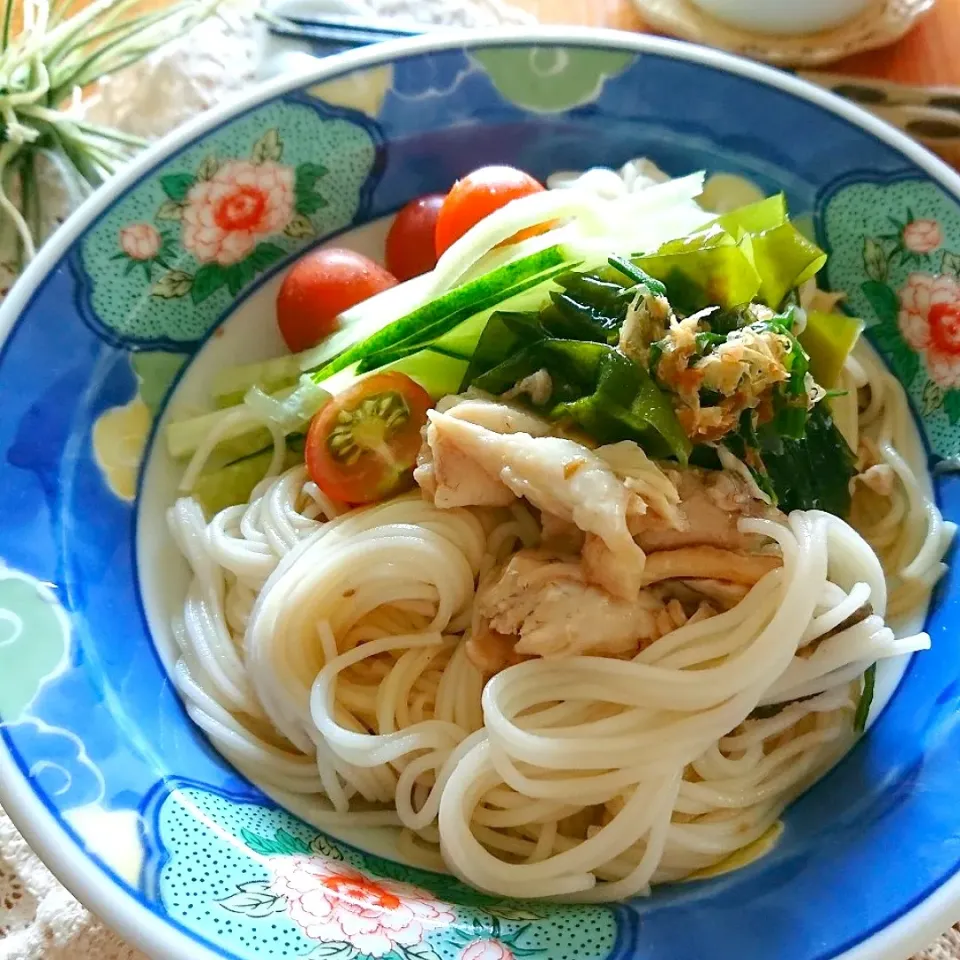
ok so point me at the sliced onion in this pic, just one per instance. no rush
(289, 413)
(590, 211)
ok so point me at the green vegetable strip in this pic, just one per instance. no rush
(638, 276)
(751, 252)
(813, 473)
(219, 488)
(866, 699)
(783, 259)
(705, 269)
(756, 217)
(503, 335)
(426, 323)
(432, 334)
(828, 340)
(791, 400)
(572, 320)
(595, 290)
(608, 395)
(230, 385)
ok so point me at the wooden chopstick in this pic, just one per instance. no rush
(928, 114)
(868, 91)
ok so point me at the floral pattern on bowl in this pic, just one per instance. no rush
(287, 890)
(895, 250)
(229, 212)
(221, 216)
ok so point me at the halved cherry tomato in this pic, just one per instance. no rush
(362, 446)
(410, 243)
(476, 196)
(319, 287)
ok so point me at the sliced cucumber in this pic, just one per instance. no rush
(461, 339)
(366, 318)
(231, 384)
(184, 436)
(438, 373)
(217, 489)
(435, 318)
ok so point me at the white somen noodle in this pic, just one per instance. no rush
(326, 651)
(322, 653)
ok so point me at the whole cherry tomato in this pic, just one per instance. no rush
(411, 250)
(476, 196)
(319, 287)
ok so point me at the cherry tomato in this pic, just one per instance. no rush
(319, 287)
(362, 446)
(476, 196)
(411, 250)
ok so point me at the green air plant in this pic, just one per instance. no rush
(43, 68)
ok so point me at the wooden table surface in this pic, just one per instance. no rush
(929, 54)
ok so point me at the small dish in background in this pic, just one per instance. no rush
(879, 23)
(783, 19)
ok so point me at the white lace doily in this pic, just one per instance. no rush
(39, 919)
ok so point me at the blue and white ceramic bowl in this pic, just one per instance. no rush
(135, 299)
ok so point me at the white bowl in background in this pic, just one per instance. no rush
(783, 16)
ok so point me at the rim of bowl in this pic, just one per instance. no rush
(79, 870)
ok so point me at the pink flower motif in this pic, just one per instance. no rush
(243, 202)
(922, 236)
(331, 902)
(140, 241)
(929, 320)
(486, 950)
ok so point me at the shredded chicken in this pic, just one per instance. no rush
(749, 361)
(605, 568)
(494, 414)
(880, 478)
(541, 605)
(645, 322)
(631, 549)
(739, 469)
(655, 491)
(711, 504)
(708, 563)
(489, 651)
(743, 371)
(538, 387)
(674, 368)
(721, 593)
(563, 536)
(465, 463)
(450, 476)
